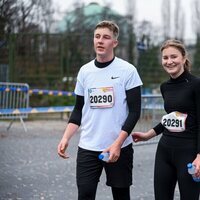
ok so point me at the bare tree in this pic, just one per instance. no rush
(25, 15)
(173, 22)
(179, 20)
(8, 14)
(25, 21)
(45, 14)
(131, 19)
(196, 17)
(145, 32)
(131, 11)
(196, 22)
(166, 18)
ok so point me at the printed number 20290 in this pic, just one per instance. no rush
(101, 99)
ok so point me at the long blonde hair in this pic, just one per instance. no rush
(180, 46)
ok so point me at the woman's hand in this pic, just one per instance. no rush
(196, 162)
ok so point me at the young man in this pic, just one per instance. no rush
(108, 103)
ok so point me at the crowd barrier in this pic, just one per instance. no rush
(151, 114)
(29, 110)
(14, 96)
(50, 92)
(14, 104)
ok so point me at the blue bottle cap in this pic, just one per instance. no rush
(189, 165)
(101, 156)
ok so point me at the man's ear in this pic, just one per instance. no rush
(115, 43)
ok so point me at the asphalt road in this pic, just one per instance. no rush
(30, 168)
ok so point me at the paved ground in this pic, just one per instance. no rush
(31, 170)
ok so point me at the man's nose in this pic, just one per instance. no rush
(100, 39)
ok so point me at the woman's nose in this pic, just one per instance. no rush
(169, 61)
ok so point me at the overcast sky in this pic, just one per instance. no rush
(145, 10)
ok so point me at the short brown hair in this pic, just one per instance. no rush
(112, 26)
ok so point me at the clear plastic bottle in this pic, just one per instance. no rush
(191, 170)
(104, 156)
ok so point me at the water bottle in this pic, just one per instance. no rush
(104, 156)
(191, 170)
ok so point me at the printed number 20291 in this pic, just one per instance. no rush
(172, 122)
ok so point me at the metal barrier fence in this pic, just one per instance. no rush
(14, 96)
(14, 104)
(151, 113)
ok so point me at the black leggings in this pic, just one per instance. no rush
(172, 157)
(88, 192)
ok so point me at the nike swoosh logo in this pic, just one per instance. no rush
(114, 77)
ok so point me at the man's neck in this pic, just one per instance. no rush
(103, 64)
(104, 59)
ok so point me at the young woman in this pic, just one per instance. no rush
(180, 127)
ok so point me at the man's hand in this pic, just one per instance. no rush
(62, 146)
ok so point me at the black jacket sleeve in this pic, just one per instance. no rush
(76, 115)
(134, 105)
(159, 128)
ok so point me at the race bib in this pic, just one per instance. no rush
(101, 97)
(174, 121)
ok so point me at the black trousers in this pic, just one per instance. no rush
(172, 156)
(118, 175)
(88, 192)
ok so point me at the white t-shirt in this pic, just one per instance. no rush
(105, 108)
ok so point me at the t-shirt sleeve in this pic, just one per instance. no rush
(133, 79)
(79, 88)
